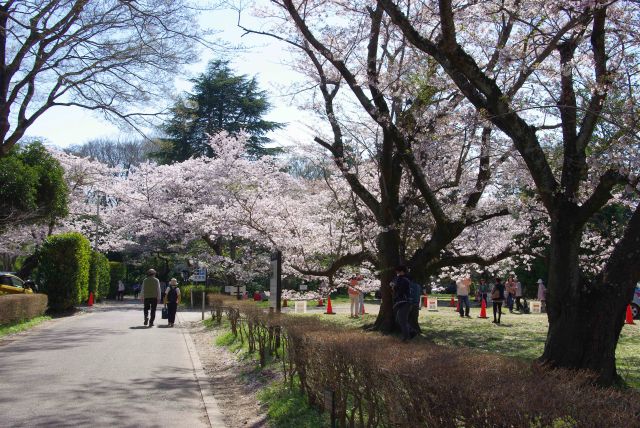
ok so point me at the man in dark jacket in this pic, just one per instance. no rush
(150, 296)
(401, 301)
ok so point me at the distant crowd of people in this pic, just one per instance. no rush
(510, 293)
(406, 298)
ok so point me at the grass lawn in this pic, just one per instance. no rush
(21, 326)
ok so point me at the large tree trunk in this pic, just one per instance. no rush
(585, 319)
(389, 255)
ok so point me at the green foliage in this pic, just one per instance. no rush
(220, 101)
(17, 327)
(117, 271)
(288, 408)
(33, 188)
(64, 270)
(185, 292)
(99, 275)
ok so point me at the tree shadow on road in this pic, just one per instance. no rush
(127, 402)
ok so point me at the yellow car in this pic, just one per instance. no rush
(11, 284)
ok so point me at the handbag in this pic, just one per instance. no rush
(165, 312)
(495, 294)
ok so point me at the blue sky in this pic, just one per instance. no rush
(64, 126)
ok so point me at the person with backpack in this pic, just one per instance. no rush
(401, 305)
(497, 297)
(171, 299)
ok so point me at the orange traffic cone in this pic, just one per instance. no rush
(90, 303)
(329, 308)
(284, 303)
(425, 300)
(363, 311)
(320, 302)
(452, 303)
(629, 319)
(483, 309)
(458, 305)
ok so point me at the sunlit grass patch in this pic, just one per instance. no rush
(22, 326)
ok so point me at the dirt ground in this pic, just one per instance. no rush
(233, 383)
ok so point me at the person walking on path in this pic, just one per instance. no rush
(542, 295)
(354, 297)
(172, 299)
(401, 305)
(150, 296)
(120, 295)
(462, 291)
(497, 297)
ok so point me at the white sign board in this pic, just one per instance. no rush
(301, 307)
(199, 275)
(432, 303)
(536, 307)
(303, 287)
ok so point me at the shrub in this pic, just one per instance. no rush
(21, 307)
(185, 292)
(64, 270)
(379, 381)
(117, 272)
(99, 275)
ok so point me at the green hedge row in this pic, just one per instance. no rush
(64, 269)
(21, 307)
(118, 271)
(99, 275)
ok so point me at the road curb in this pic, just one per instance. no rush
(211, 408)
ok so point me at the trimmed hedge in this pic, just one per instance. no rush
(99, 275)
(21, 307)
(379, 381)
(64, 270)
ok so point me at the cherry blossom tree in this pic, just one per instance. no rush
(565, 92)
(410, 148)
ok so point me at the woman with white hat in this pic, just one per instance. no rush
(171, 299)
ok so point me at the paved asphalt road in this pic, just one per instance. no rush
(102, 368)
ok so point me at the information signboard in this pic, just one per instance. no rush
(199, 275)
(432, 303)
